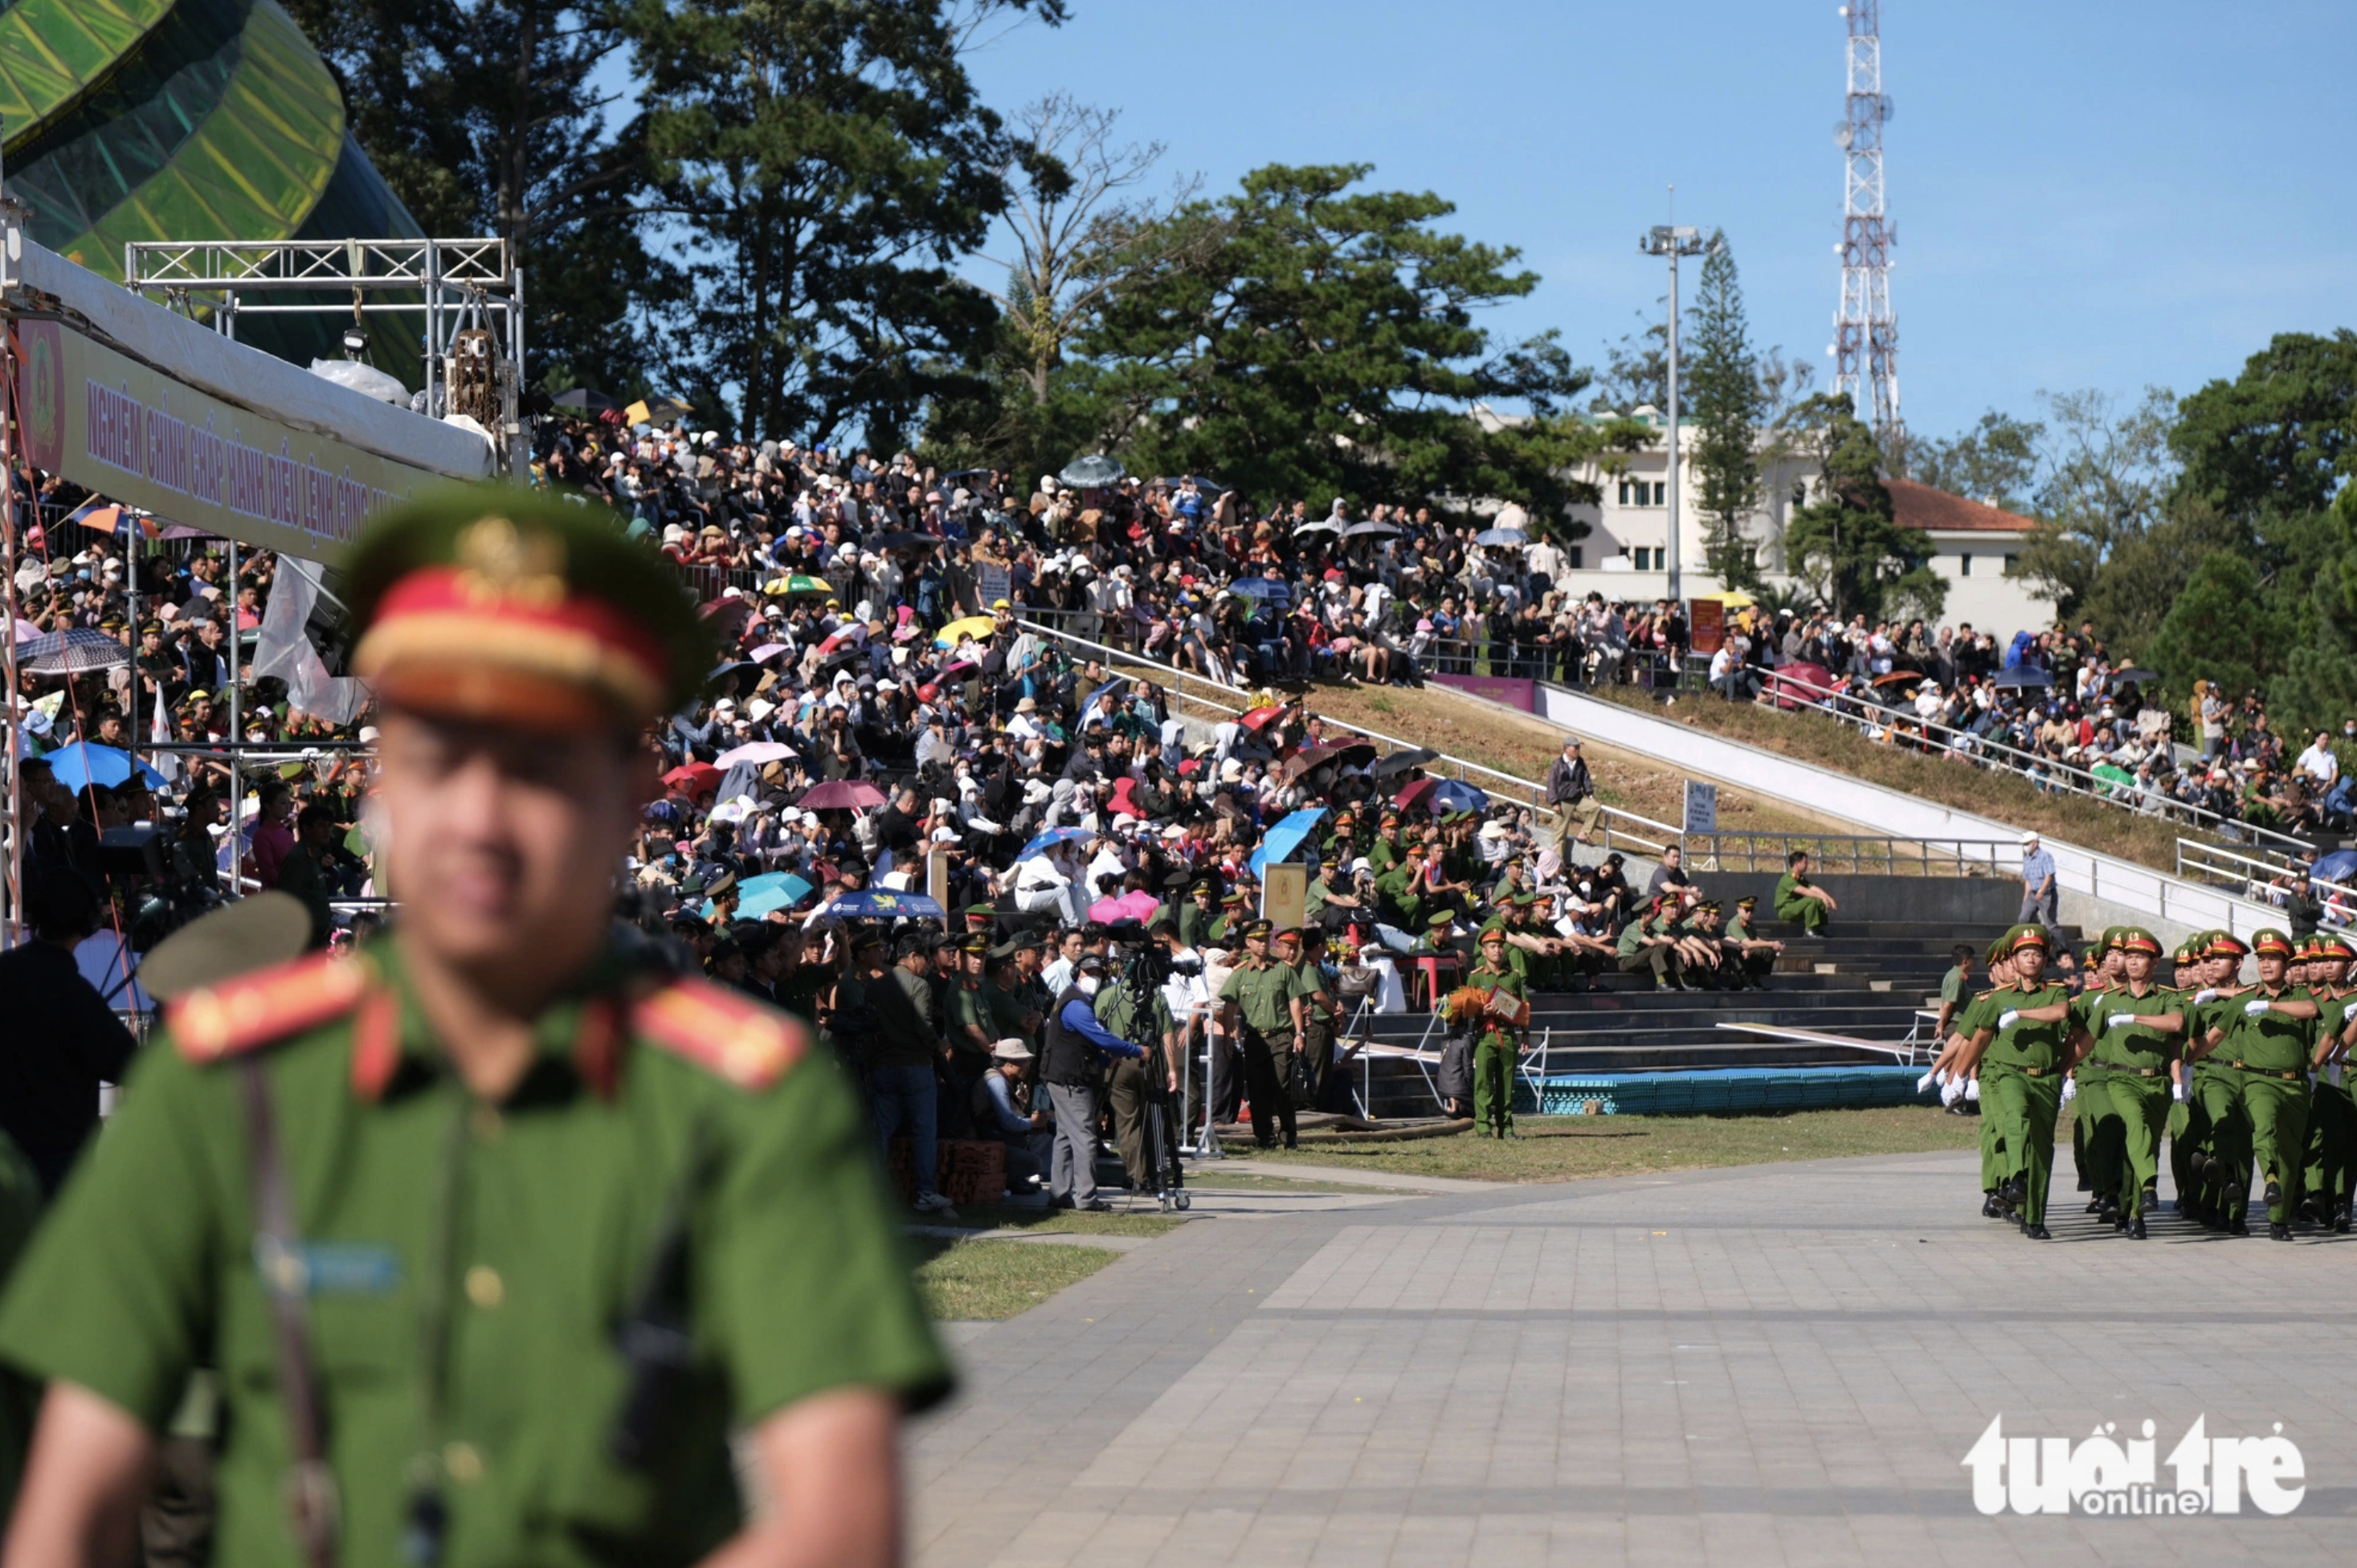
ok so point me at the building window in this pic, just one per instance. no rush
(2013, 565)
(1576, 552)
(1640, 492)
(1661, 494)
(1643, 557)
(1964, 564)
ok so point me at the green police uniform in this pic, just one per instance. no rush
(2124, 1089)
(477, 1298)
(468, 1263)
(1976, 1014)
(2333, 1116)
(1495, 1051)
(1262, 991)
(2264, 1100)
(2021, 1085)
(1792, 905)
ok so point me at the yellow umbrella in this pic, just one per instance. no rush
(973, 626)
(1733, 598)
(655, 411)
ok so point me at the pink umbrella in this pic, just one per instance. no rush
(1415, 793)
(1135, 904)
(767, 651)
(841, 794)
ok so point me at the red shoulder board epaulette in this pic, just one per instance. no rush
(721, 1030)
(249, 1011)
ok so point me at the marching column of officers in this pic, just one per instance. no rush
(2244, 1081)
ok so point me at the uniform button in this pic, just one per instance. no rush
(484, 1287)
(463, 1462)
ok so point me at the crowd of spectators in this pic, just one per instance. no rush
(880, 725)
(2055, 705)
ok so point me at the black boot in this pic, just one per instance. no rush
(1989, 1209)
(2136, 1229)
(2038, 1233)
(2277, 1231)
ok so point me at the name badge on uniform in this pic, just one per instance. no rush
(327, 1268)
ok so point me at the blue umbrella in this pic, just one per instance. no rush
(885, 907)
(1456, 795)
(759, 895)
(1513, 538)
(1286, 836)
(80, 765)
(1052, 837)
(2340, 866)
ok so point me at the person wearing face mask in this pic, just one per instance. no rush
(1072, 1067)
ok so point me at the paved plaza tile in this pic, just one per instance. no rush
(1754, 1366)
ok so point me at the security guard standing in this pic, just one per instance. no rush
(1257, 1002)
(1318, 1012)
(2264, 1045)
(1499, 1044)
(494, 1237)
(2020, 1054)
(2128, 1042)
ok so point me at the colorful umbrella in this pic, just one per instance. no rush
(693, 778)
(73, 651)
(1262, 717)
(772, 890)
(841, 795)
(1456, 795)
(655, 411)
(82, 763)
(1052, 837)
(1137, 905)
(105, 516)
(1287, 837)
(1415, 792)
(972, 626)
(760, 753)
(796, 582)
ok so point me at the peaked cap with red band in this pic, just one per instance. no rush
(492, 602)
(2271, 944)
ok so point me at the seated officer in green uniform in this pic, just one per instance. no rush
(1798, 898)
(1756, 956)
(1646, 944)
(1500, 1041)
(2261, 1041)
(440, 1212)
(2020, 1054)
(2127, 1043)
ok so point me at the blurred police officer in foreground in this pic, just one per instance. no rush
(493, 1237)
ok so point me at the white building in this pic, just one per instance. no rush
(1974, 546)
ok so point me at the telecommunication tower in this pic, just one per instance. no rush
(1866, 333)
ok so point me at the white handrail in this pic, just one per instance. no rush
(1781, 689)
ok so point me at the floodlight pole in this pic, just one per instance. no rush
(1665, 239)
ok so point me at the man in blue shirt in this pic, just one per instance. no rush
(2038, 893)
(1072, 1067)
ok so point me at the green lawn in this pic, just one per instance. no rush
(1566, 1148)
(966, 1281)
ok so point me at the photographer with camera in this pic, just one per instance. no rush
(1072, 1068)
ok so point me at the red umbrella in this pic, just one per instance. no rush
(841, 795)
(693, 778)
(1261, 718)
(1415, 793)
(1808, 683)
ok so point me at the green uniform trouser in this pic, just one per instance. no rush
(1494, 1085)
(2229, 1143)
(2184, 1137)
(2331, 1145)
(2079, 1160)
(2124, 1113)
(2024, 1108)
(2275, 1109)
(1809, 912)
(1991, 1146)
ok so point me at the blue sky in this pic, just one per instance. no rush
(2103, 196)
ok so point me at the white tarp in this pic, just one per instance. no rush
(285, 649)
(200, 357)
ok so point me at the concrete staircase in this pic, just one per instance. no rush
(1864, 980)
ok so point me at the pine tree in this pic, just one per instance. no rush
(1723, 391)
(1848, 546)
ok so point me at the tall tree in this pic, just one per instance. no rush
(2104, 476)
(1995, 461)
(2278, 439)
(1077, 228)
(1327, 346)
(2219, 629)
(1848, 544)
(1722, 388)
(824, 164)
(487, 117)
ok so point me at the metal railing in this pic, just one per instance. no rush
(2257, 878)
(1630, 828)
(1899, 727)
(1857, 853)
